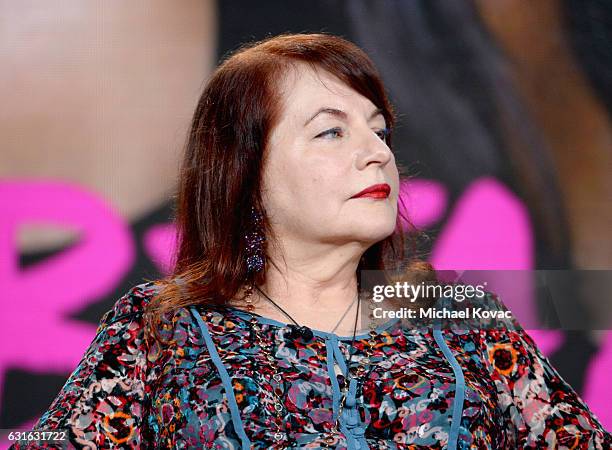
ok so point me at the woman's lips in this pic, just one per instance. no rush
(375, 191)
(376, 194)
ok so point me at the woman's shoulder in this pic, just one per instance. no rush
(132, 304)
(176, 327)
(478, 311)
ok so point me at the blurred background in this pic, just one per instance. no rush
(504, 124)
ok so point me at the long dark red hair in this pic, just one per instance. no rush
(225, 152)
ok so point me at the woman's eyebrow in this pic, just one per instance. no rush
(340, 114)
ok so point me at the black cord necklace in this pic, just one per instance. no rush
(296, 330)
(306, 333)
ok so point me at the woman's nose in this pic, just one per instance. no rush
(373, 149)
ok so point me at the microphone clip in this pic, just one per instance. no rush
(304, 332)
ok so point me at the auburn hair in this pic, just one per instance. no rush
(221, 172)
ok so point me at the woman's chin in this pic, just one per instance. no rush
(374, 232)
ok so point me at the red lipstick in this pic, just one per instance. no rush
(375, 191)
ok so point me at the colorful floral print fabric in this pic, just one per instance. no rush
(210, 387)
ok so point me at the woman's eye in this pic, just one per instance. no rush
(333, 132)
(383, 134)
(337, 132)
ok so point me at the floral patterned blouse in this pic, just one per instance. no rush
(210, 387)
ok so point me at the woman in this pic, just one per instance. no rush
(288, 190)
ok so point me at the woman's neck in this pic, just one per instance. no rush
(319, 302)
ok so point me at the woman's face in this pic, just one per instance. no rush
(317, 162)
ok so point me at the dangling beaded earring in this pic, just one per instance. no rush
(255, 259)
